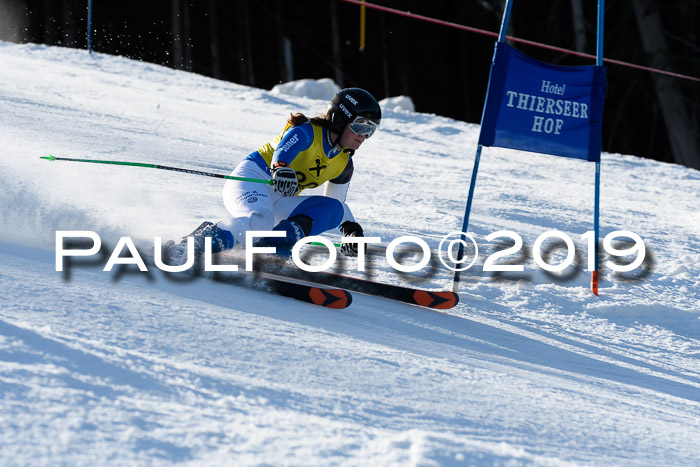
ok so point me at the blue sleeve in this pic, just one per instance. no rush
(295, 140)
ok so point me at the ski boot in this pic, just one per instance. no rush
(295, 228)
(220, 240)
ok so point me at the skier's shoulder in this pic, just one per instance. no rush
(302, 134)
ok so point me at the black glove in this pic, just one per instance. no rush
(350, 229)
(284, 180)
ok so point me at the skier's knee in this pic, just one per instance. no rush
(238, 226)
(325, 213)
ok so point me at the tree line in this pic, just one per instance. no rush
(445, 71)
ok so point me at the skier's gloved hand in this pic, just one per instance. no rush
(350, 229)
(284, 180)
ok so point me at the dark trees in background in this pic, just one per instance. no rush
(676, 113)
(264, 42)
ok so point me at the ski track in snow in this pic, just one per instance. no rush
(134, 368)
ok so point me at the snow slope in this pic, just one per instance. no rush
(139, 368)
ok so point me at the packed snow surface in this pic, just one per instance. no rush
(127, 367)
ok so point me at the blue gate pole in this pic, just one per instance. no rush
(596, 209)
(465, 223)
(504, 23)
(475, 170)
(89, 27)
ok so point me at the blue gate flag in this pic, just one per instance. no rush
(539, 107)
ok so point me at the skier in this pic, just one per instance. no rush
(307, 154)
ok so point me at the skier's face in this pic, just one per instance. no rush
(350, 140)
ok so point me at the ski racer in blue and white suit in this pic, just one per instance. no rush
(307, 154)
(307, 149)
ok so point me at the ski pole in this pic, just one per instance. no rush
(163, 167)
(337, 245)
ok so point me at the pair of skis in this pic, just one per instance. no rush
(333, 290)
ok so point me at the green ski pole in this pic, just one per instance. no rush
(162, 167)
(337, 245)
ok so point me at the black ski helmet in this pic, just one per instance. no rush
(350, 103)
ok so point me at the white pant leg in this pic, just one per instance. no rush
(250, 204)
(284, 206)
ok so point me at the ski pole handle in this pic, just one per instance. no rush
(162, 167)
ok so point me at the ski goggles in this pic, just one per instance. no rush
(363, 126)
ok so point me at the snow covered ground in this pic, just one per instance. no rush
(137, 368)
